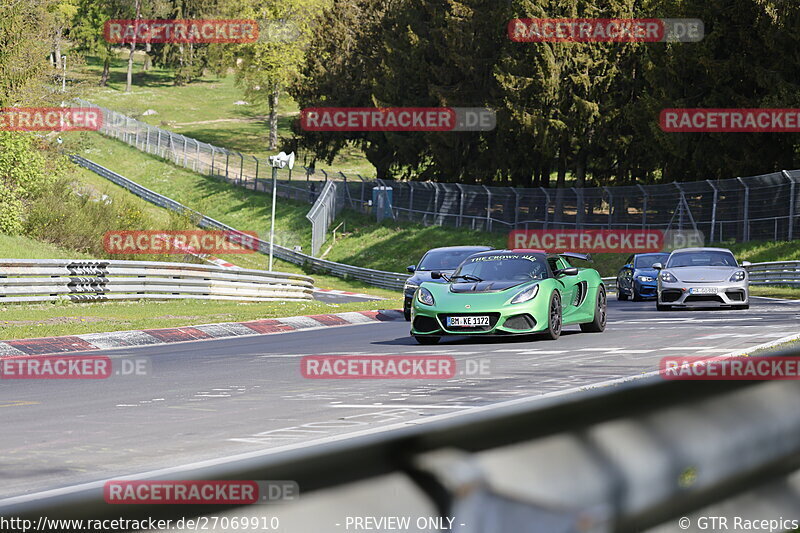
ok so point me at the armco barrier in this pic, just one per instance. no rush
(43, 280)
(624, 458)
(377, 278)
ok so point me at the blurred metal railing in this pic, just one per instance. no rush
(45, 280)
(322, 215)
(624, 458)
(775, 273)
(377, 278)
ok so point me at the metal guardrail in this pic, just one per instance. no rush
(377, 278)
(775, 273)
(767, 273)
(45, 280)
(622, 459)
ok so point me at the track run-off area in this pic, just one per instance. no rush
(212, 400)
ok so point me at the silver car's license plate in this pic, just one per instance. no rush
(467, 321)
(703, 290)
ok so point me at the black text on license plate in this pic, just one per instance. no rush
(704, 290)
(467, 321)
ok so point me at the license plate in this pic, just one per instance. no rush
(703, 290)
(467, 321)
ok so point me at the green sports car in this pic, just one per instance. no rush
(510, 292)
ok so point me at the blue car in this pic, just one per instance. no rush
(637, 279)
(444, 260)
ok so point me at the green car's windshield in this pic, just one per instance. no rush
(503, 267)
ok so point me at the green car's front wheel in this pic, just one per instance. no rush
(553, 330)
(426, 339)
(600, 313)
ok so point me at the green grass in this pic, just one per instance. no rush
(203, 109)
(21, 247)
(44, 320)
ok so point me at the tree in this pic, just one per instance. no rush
(265, 69)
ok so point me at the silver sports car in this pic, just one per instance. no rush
(702, 276)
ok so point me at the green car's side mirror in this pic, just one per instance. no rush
(570, 271)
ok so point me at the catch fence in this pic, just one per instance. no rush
(764, 207)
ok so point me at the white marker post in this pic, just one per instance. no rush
(277, 161)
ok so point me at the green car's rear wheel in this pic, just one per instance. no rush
(553, 330)
(600, 313)
(426, 339)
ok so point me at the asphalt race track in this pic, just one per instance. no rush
(213, 399)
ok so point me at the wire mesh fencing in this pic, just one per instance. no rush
(764, 207)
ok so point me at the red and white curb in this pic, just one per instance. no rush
(129, 339)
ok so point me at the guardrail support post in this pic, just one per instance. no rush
(792, 201)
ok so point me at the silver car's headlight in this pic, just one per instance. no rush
(526, 295)
(646, 278)
(425, 296)
(739, 275)
(668, 277)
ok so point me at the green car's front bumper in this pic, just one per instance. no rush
(505, 318)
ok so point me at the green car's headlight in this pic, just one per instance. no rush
(526, 295)
(425, 296)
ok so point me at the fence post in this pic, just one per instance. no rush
(185, 145)
(213, 155)
(255, 186)
(136, 138)
(460, 204)
(713, 210)
(363, 187)
(147, 140)
(579, 207)
(241, 168)
(516, 206)
(746, 227)
(792, 201)
(546, 208)
(410, 199)
(158, 141)
(644, 204)
(227, 159)
(197, 156)
(488, 208)
(610, 205)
